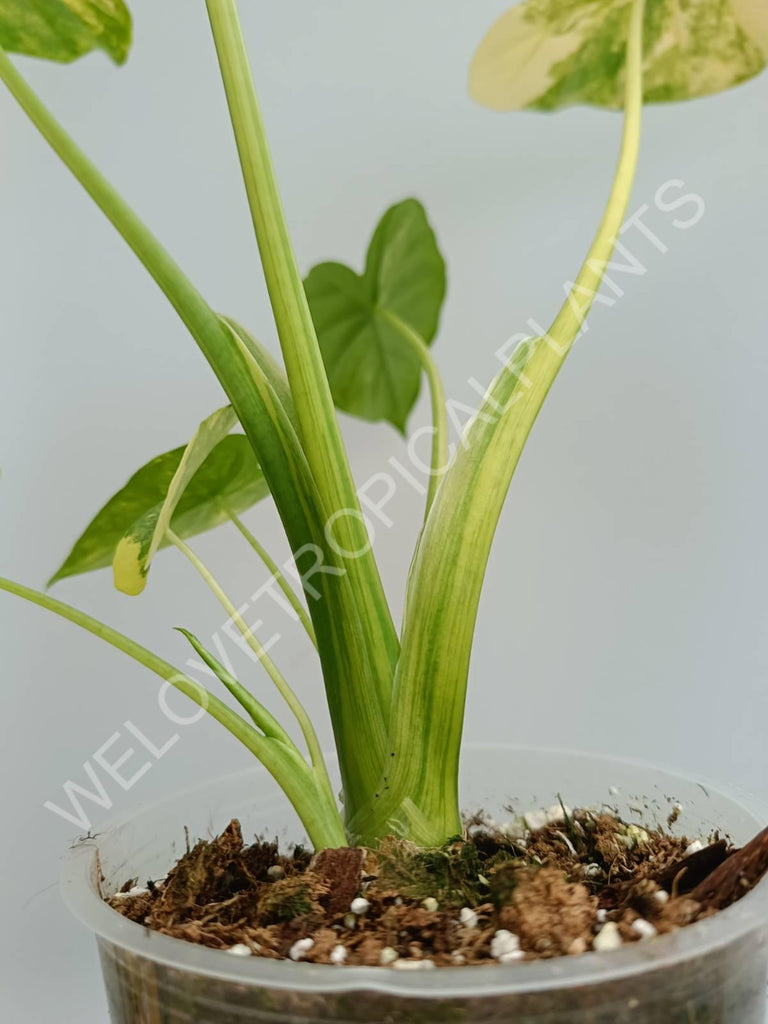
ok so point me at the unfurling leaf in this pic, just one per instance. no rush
(373, 372)
(137, 548)
(63, 30)
(229, 479)
(545, 54)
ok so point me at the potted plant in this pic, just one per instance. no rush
(361, 343)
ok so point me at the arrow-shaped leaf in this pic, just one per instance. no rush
(63, 30)
(373, 371)
(229, 479)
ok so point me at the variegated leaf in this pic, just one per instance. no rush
(546, 54)
(63, 30)
(229, 479)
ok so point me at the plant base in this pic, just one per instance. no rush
(713, 971)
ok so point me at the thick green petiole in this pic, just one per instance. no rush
(354, 666)
(318, 426)
(215, 337)
(448, 569)
(360, 728)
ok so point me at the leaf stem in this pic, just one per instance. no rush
(574, 311)
(183, 296)
(213, 335)
(319, 429)
(356, 638)
(312, 799)
(347, 662)
(277, 575)
(258, 714)
(446, 578)
(437, 397)
(274, 673)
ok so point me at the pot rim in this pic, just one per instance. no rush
(80, 891)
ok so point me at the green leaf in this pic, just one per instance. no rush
(230, 478)
(63, 30)
(373, 372)
(546, 54)
(137, 548)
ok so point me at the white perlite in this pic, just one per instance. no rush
(339, 955)
(137, 890)
(505, 947)
(359, 906)
(413, 965)
(607, 938)
(644, 929)
(350, 922)
(602, 916)
(514, 829)
(300, 948)
(694, 847)
(275, 872)
(661, 896)
(240, 949)
(468, 917)
(513, 957)
(388, 956)
(554, 815)
(430, 904)
(535, 820)
(557, 814)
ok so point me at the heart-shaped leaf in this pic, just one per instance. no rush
(373, 372)
(63, 30)
(545, 54)
(230, 479)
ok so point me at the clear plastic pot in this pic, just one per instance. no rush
(713, 972)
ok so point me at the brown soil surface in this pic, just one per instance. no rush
(484, 898)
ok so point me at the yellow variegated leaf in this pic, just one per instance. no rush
(546, 54)
(138, 547)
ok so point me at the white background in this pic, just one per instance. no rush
(625, 609)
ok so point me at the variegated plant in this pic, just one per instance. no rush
(546, 54)
(361, 342)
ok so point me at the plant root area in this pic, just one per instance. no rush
(583, 881)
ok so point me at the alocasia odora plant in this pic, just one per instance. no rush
(361, 343)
